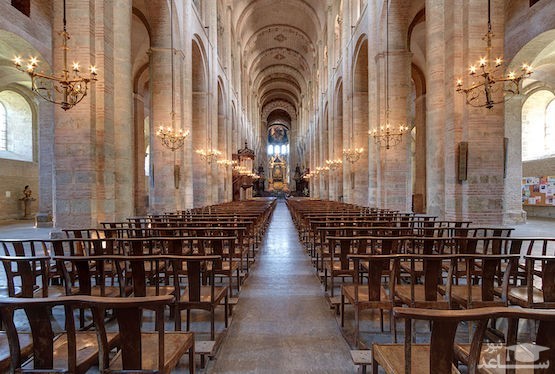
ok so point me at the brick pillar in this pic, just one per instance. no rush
(162, 191)
(83, 158)
(396, 167)
(123, 112)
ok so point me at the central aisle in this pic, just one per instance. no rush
(282, 322)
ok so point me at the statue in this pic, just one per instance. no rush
(27, 199)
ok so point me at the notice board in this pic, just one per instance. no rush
(538, 191)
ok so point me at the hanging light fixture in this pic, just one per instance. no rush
(172, 139)
(66, 89)
(387, 137)
(334, 164)
(492, 86)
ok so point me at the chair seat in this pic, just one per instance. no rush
(403, 293)
(226, 266)
(162, 290)
(176, 344)
(110, 291)
(519, 296)
(391, 358)
(360, 296)
(87, 350)
(337, 266)
(205, 297)
(53, 291)
(498, 354)
(25, 344)
(459, 294)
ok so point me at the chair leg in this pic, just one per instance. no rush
(177, 320)
(188, 320)
(357, 328)
(192, 359)
(226, 308)
(393, 325)
(381, 320)
(342, 310)
(212, 326)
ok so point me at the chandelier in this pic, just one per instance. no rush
(385, 137)
(322, 169)
(353, 154)
(66, 89)
(491, 85)
(225, 163)
(209, 155)
(334, 164)
(172, 139)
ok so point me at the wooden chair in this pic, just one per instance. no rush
(226, 266)
(140, 351)
(68, 352)
(25, 348)
(195, 295)
(483, 284)
(28, 277)
(439, 355)
(539, 289)
(337, 263)
(373, 294)
(424, 274)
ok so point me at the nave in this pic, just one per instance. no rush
(283, 323)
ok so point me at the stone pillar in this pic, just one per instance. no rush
(123, 111)
(139, 153)
(162, 190)
(396, 167)
(435, 111)
(83, 155)
(513, 162)
(46, 156)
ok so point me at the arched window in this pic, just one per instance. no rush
(3, 128)
(538, 126)
(16, 127)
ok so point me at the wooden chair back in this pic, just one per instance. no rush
(39, 312)
(128, 313)
(26, 274)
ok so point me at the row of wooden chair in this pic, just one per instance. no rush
(443, 354)
(49, 349)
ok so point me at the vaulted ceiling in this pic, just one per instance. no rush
(279, 41)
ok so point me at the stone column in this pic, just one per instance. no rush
(162, 191)
(435, 111)
(82, 150)
(513, 162)
(396, 160)
(123, 113)
(139, 154)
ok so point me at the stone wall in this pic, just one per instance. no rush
(14, 176)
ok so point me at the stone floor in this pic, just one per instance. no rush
(282, 322)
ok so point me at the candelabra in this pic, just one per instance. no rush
(334, 164)
(386, 137)
(225, 163)
(66, 89)
(491, 81)
(353, 154)
(173, 140)
(209, 155)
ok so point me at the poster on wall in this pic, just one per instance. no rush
(538, 191)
